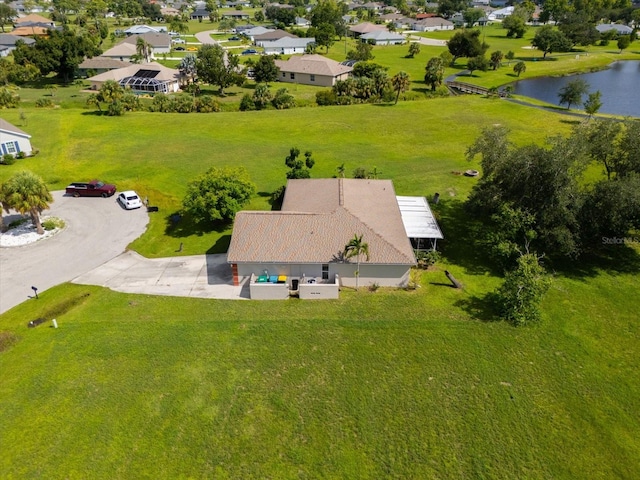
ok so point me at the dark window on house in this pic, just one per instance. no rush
(293, 76)
(284, 74)
(312, 77)
(325, 271)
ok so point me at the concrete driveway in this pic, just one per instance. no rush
(97, 230)
(198, 276)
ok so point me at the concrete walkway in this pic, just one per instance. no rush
(197, 276)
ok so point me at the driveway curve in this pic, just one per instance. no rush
(205, 37)
(97, 230)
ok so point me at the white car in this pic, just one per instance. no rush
(179, 41)
(129, 200)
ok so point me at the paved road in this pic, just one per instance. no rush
(97, 230)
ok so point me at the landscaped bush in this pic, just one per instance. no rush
(8, 159)
(326, 97)
(426, 259)
(160, 103)
(53, 223)
(21, 155)
(116, 109)
(207, 104)
(131, 102)
(45, 103)
(283, 100)
(8, 98)
(247, 103)
(18, 222)
(182, 103)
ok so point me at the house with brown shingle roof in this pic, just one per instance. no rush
(312, 70)
(149, 77)
(305, 241)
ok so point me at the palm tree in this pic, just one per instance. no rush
(143, 49)
(400, 82)
(355, 248)
(26, 192)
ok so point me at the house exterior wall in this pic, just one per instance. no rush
(305, 79)
(383, 275)
(13, 144)
(270, 50)
(434, 28)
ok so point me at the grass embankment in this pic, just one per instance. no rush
(417, 144)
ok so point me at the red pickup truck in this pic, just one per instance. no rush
(94, 188)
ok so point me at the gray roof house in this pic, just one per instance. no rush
(13, 140)
(271, 36)
(312, 70)
(300, 247)
(432, 24)
(160, 43)
(620, 29)
(383, 37)
(237, 14)
(287, 46)
(8, 43)
(100, 65)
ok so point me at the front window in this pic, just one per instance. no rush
(293, 76)
(313, 78)
(11, 147)
(325, 271)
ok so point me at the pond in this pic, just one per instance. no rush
(619, 86)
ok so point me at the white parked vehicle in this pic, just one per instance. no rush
(179, 40)
(129, 200)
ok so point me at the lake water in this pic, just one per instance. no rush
(619, 86)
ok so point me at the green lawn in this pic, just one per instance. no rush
(420, 145)
(391, 384)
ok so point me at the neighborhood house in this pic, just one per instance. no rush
(300, 248)
(312, 70)
(13, 140)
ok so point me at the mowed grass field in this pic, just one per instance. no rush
(391, 384)
(420, 145)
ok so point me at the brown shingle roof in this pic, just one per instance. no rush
(318, 219)
(102, 63)
(8, 127)
(313, 64)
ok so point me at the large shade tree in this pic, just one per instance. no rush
(27, 194)
(218, 67)
(218, 194)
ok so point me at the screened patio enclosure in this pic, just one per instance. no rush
(145, 81)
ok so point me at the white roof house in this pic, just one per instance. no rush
(287, 46)
(13, 140)
(140, 29)
(383, 37)
(620, 29)
(500, 14)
